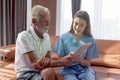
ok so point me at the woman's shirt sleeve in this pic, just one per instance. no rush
(92, 51)
(59, 47)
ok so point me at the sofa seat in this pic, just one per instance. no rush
(7, 71)
(106, 73)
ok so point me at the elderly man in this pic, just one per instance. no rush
(33, 57)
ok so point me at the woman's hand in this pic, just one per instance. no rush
(67, 60)
(81, 60)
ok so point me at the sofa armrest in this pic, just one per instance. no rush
(7, 52)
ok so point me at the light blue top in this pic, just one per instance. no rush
(67, 44)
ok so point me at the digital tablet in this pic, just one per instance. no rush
(81, 49)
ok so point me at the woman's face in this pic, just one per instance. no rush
(79, 25)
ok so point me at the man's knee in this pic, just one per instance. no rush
(58, 77)
(48, 73)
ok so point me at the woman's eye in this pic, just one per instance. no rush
(82, 25)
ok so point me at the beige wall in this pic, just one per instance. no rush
(51, 4)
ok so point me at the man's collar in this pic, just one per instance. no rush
(34, 34)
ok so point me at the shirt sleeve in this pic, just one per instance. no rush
(92, 51)
(23, 43)
(59, 47)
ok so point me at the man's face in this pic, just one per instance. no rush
(43, 24)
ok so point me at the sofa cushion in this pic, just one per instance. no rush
(107, 60)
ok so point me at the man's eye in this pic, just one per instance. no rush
(76, 23)
(82, 25)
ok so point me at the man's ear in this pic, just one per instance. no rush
(34, 21)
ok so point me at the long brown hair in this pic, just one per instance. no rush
(84, 15)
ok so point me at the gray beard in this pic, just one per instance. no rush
(40, 30)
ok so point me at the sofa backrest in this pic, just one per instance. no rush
(108, 47)
(53, 39)
(105, 47)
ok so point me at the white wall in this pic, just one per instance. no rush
(63, 17)
(29, 5)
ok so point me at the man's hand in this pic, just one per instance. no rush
(63, 61)
(52, 55)
(44, 62)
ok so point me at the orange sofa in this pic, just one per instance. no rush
(107, 66)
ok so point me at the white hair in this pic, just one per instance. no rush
(36, 10)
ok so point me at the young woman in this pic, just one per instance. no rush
(79, 34)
